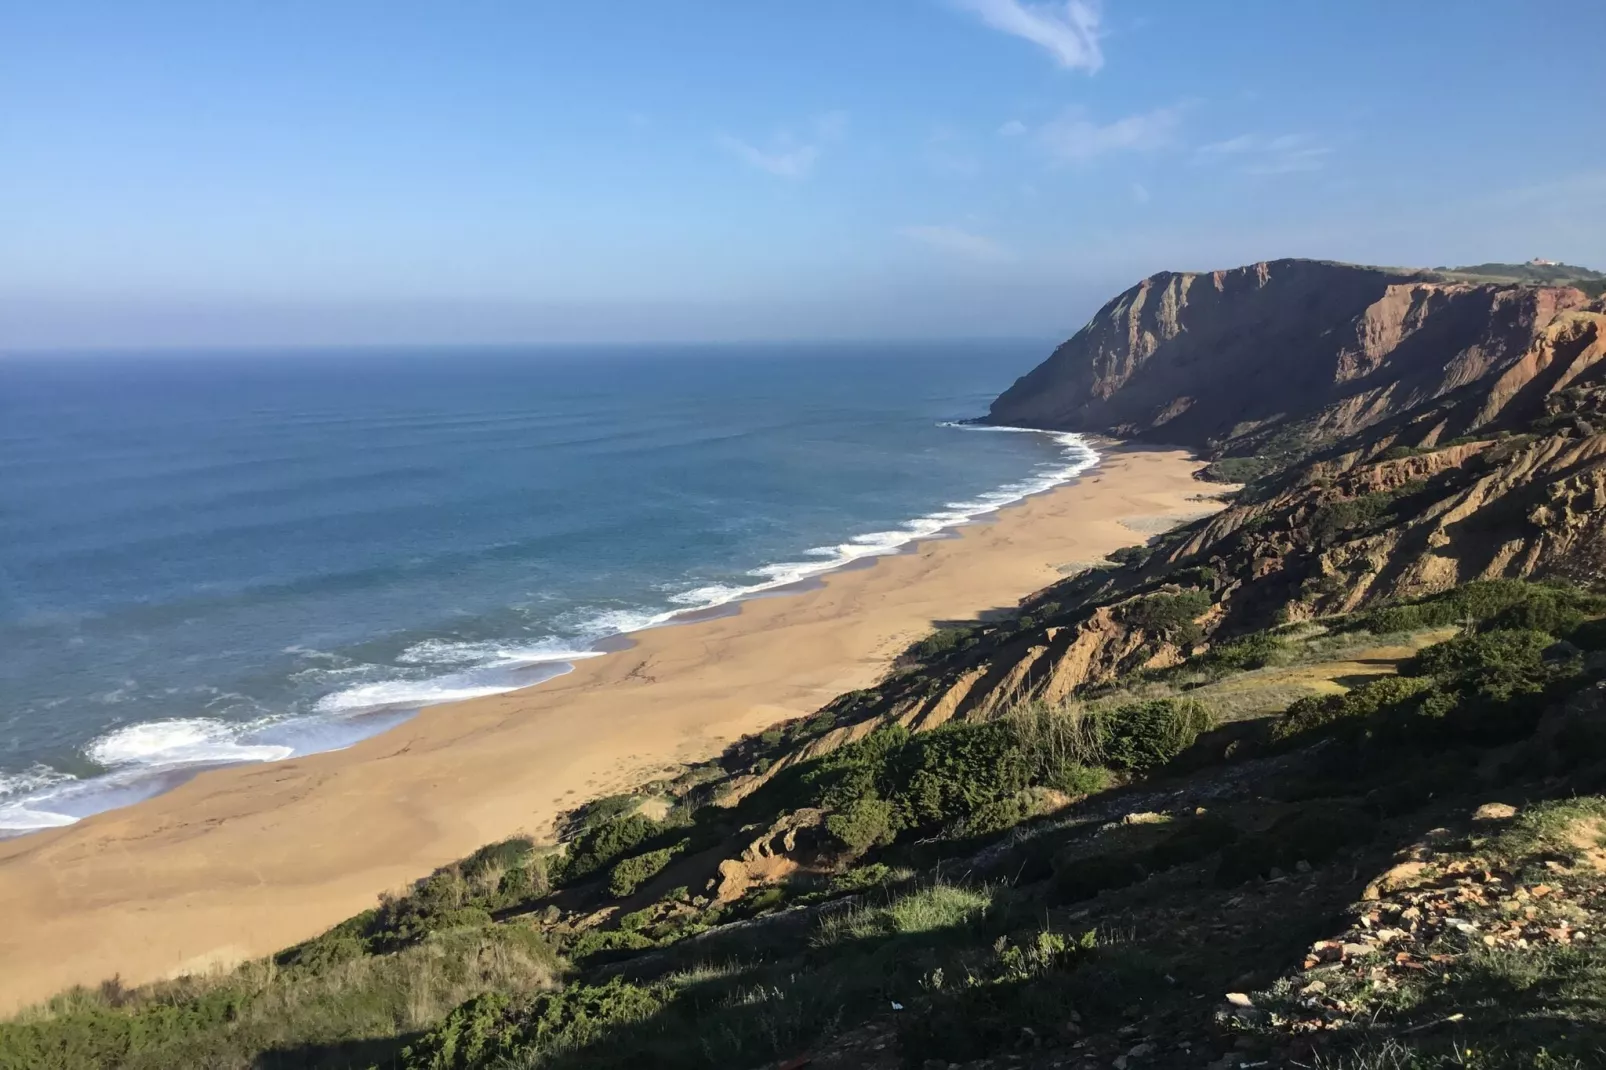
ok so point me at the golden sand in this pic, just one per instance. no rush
(242, 861)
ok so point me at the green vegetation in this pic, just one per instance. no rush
(1241, 469)
(938, 644)
(946, 874)
(311, 1014)
(894, 782)
(633, 872)
(600, 844)
(1590, 281)
(1489, 603)
(1170, 615)
(1352, 516)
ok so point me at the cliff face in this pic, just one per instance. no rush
(1223, 360)
(1432, 433)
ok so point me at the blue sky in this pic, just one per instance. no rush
(339, 171)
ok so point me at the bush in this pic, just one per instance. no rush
(1337, 519)
(1240, 469)
(1142, 736)
(1506, 649)
(1250, 652)
(1129, 556)
(631, 873)
(864, 878)
(1491, 604)
(940, 642)
(1349, 711)
(605, 809)
(636, 920)
(601, 844)
(1074, 778)
(600, 941)
(867, 822)
(1170, 615)
(492, 1029)
(950, 772)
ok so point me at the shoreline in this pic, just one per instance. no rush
(240, 861)
(64, 800)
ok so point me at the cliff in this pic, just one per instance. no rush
(1287, 352)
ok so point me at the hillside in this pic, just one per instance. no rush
(1316, 780)
(1535, 273)
(1278, 357)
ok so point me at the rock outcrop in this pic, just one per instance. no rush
(1429, 433)
(1226, 359)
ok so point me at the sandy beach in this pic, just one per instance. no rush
(242, 861)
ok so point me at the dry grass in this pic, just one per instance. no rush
(1313, 663)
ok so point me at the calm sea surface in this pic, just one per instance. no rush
(214, 558)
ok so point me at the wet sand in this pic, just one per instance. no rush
(238, 862)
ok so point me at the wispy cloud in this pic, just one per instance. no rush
(1013, 128)
(1074, 138)
(788, 155)
(1069, 30)
(958, 242)
(949, 151)
(1140, 193)
(1253, 154)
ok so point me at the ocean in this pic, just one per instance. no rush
(215, 558)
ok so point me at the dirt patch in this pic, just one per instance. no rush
(1588, 835)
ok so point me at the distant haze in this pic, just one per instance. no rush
(192, 174)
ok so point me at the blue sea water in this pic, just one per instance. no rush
(211, 558)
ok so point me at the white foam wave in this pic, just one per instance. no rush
(136, 756)
(490, 654)
(1077, 457)
(19, 818)
(33, 779)
(179, 741)
(399, 694)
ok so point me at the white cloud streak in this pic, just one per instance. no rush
(1253, 154)
(795, 162)
(787, 155)
(1073, 138)
(958, 242)
(1068, 30)
(1013, 128)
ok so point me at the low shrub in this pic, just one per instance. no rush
(1129, 556)
(631, 873)
(1142, 736)
(1239, 655)
(594, 942)
(1170, 615)
(863, 878)
(938, 643)
(493, 1028)
(866, 822)
(1491, 604)
(601, 844)
(1349, 711)
(1521, 650)
(1240, 469)
(1074, 778)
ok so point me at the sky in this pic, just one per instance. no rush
(311, 172)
